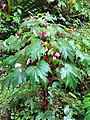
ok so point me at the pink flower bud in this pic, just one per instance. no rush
(72, 31)
(16, 34)
(57, 54)
(44, 34)
(28, 62)
(32, 19)
(54, 58)
(45, 23)
(5, 7)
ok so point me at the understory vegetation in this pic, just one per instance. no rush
(45, 59)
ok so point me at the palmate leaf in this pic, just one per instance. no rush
(9, 61)
(66, 49)
(35, 73)
(68, 113)
(80, 55)
(83, 58)
(35, 50)
(40, 116)
(70, 75)
(13, 43)
(15, 77)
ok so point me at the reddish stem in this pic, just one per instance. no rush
(39, 94)
(45, 102)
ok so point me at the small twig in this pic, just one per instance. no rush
(39, 94)
(85, 85)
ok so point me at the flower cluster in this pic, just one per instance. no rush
(72, 31)
(43, 33)
(56, 55)
(47, 14)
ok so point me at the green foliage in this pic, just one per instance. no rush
(68, 112)
(45, 61)
(86, 105)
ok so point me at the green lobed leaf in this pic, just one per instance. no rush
(13, 43)
(35, 50)
(16, 77)
(83, 58)
(40, 71)
(66, 49)
(70, 75)
(9, 61)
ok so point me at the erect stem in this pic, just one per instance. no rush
(45, 102)
(85, 84)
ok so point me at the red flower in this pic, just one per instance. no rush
(44, 33)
